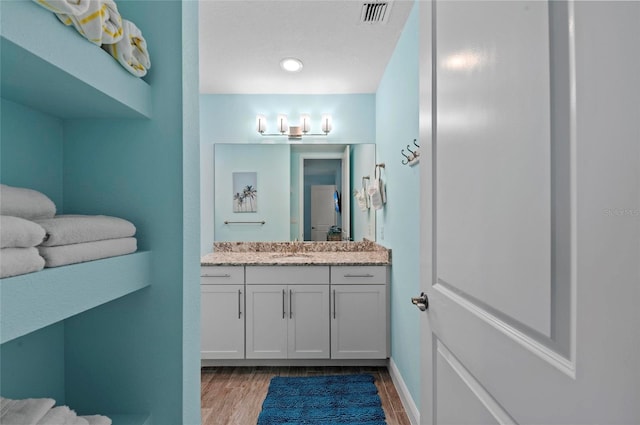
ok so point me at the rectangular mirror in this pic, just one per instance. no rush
(297, 192)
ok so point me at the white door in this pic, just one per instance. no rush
(323, 211)
(530, 232)
(308, 327)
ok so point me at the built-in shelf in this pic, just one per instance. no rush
(51, 68)
(35, 300)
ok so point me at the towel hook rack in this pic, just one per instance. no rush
(413, 157)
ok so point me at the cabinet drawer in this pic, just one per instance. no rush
(276, 275)
(222, 275)
(356, 275)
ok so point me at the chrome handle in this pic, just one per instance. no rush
(422, 302)
(239, 304)
(334, 303)
(358, 275)
(290, 305)
(283, 295)
(217, 275)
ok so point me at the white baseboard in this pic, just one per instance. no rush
(405, 397)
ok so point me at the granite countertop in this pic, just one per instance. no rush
(365, 253)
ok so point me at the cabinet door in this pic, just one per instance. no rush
(359, 322)
(308, 327)
(222, 318)
(267, 316)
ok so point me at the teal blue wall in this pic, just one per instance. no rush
(131, 349)
(271, 163)
(31, 153)
(397, 106)
(31, 141)
(33, 365)
(232, 118)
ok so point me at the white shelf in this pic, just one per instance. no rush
(32, 301)
(50, 67)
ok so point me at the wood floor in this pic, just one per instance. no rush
(234, 395)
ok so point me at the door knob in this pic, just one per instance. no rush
(422, 302)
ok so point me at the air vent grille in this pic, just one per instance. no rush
(375, 12)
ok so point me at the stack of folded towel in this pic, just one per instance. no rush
(18, 238)
(100, 22)
(77, 238)
(33, 237)
(41, 411)
(18, 233)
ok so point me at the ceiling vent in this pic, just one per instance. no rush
(375, 12)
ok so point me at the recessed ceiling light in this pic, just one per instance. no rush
(291, 64)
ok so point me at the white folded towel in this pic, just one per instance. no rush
(101, 23)
(69, 7)
(25, 203)
(72, 229)
(97, 420)
(131, 50)
(62, 415)
(16, 232)
(80, 252)
(24, 412)
(17, 261)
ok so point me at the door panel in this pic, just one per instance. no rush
(358, 322)
(308, 327)
(222, 321)
(266, 322)
(461, 399)
(532, 282)
(493, 166)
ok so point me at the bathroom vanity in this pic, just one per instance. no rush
(282, 303)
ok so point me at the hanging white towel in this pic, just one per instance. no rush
(361, 198)
(69, 7)
(101, 23)
(375, 195)
(131, 50)
(24, 412)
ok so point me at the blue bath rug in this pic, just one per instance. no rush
(322, 400)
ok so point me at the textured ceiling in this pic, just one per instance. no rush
(242, 43)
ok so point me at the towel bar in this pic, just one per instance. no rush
(244, 222)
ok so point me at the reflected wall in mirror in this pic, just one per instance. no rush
(287, 174)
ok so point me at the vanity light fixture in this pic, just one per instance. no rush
(294, 131)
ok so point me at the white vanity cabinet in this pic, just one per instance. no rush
(359, 323)
(287, 312)
(222, 312)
